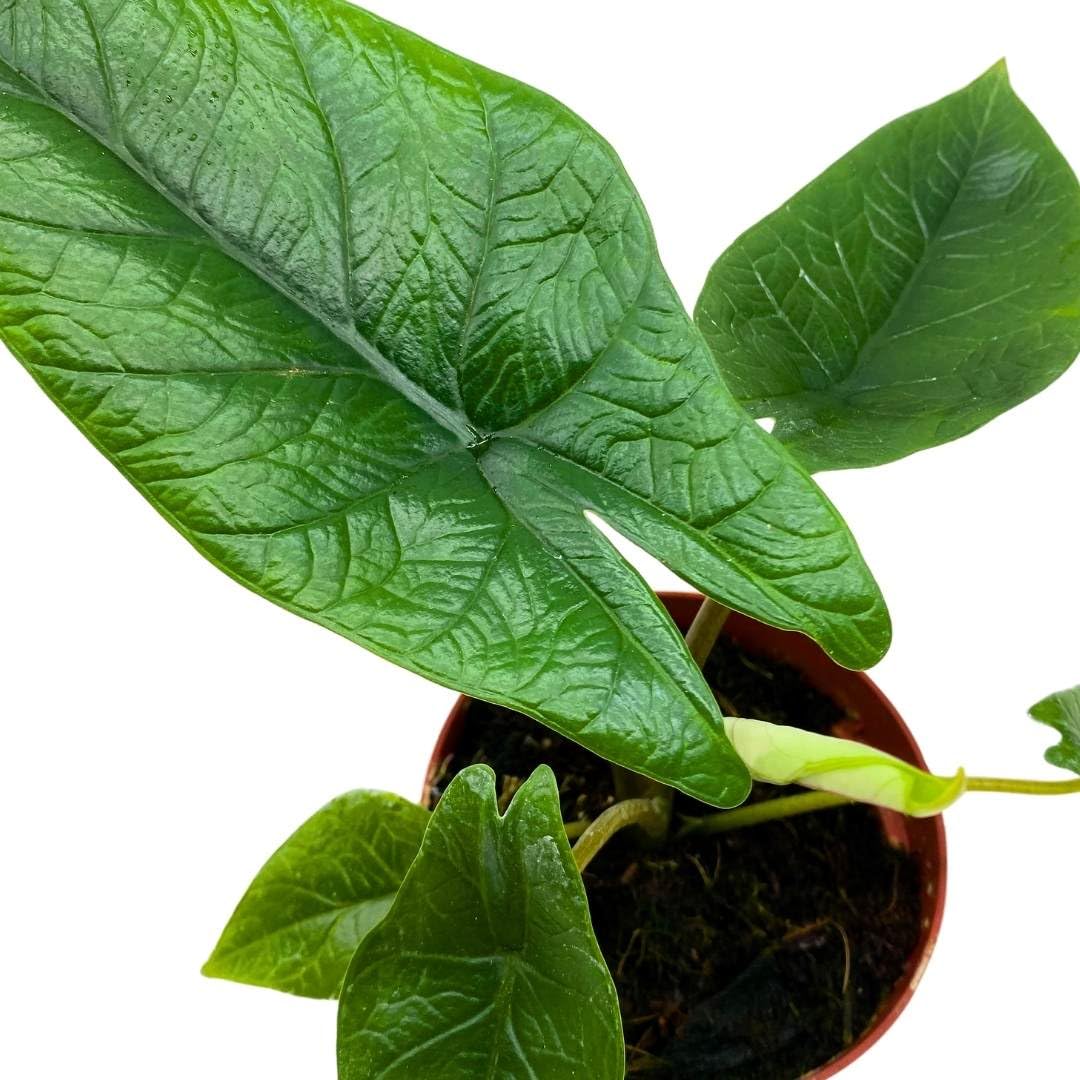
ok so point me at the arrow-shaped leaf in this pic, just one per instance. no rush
(486, 965)
(372, 326)
(299, 923)
(1062, 712)
(924, 283)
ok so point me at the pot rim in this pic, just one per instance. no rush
(924, 837)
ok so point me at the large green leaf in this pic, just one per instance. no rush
(299, 923)
(486, 965)
(1062, 712)
(372, 326)
(923, 284)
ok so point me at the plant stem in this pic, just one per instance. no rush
(758, 813)
(632, 785)
(793, 805)
(650, 815)
(705, 629)
(575, 828)
(700, 639)
(1024, 787)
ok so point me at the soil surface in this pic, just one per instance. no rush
(758, 954)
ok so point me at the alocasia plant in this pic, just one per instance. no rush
(374, 327)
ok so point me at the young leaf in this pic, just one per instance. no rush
(924, 283)
(321, 892)
(372, 326)
(786, 755)
(1062, 711)
(486, 965)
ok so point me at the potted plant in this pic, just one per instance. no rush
(375, 329)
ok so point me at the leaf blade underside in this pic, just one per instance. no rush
(322, 283)
(502, 977)
(299, 923)
(926, 282)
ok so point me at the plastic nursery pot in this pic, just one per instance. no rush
(869, 718)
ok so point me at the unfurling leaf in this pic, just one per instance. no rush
(924, 283)
(787, 755)
(1062, 711)
(486, 965)
(374, 327)
(321, 892)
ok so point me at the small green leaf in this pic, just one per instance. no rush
(924, 283)
(486, 965)
(1062, 711)
(786, 755)
(321, 892)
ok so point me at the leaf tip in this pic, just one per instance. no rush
(879, 640)
(868, 647)
(212, 968)
(540, 786)
(478, 779)
(542, 774)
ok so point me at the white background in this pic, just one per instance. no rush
(163, 729)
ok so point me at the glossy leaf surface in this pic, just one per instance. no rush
(321, 892)
(372, 326)
(486, 965)
(1062, 712)
(785, 755)
(924, 283)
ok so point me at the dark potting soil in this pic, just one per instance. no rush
(758, 954)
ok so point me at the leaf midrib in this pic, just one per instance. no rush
(919, 270)
(452, 420)
(330, 917)
(762, 406)
(701, 535)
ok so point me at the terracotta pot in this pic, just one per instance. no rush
(870, 719)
